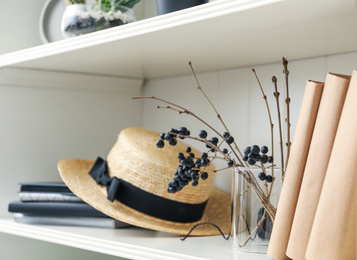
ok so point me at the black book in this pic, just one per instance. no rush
(56, 187)
(59, 209)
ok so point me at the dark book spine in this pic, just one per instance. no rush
(55, 209)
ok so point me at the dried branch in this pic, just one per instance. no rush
(276, 95)
(271, 124)
(287, 101)
(186, 111)
(215, 110)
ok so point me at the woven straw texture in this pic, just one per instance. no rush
(135, 159)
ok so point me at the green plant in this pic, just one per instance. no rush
(72, 2)
(114, 5)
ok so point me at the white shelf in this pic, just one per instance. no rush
(131, 243)
(219, 35)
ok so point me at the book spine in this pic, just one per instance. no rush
(44, 187)
(50, 197)
(55, 209)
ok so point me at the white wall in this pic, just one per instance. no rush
(41, 126)
(19, 23)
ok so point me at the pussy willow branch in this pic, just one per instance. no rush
(215, 110)
(271, 127)
(287, 101)
(276, 95)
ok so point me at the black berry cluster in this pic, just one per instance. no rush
(171, 136)
(214, 141)
(190, 167)
(189, 170)
(254, 154)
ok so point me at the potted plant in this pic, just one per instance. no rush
(168, 6)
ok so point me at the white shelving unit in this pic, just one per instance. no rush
(219, 35)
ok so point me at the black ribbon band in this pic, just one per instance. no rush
(144, 201)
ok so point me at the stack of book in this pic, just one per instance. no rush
(319, 191)
(54, 204)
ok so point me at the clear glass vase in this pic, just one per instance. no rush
(254, 202)
(81, 19)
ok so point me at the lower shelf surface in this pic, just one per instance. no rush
(131, 243)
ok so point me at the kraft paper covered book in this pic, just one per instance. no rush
(295, 169)
(333, 234)
(328, 117)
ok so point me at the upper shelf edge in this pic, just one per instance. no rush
(207, 34)
(202, 12)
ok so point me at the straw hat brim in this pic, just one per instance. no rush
(75, 173)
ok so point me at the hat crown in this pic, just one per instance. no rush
(135, 159)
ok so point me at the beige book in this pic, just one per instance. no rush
(333, 234)
(294, 171)
(328, 117)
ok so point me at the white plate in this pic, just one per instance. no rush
(50, 21)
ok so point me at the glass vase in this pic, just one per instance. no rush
(81, 19)
(255, 197)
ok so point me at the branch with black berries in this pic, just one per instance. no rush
(192, 168)
(272, 179)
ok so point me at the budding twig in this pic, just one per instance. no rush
(271, 123)
(222, 169)
(186, 111)
(168, 107)
(276, 95)
(215, 110)
(287, 101)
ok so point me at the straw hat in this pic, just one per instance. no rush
(142, 172)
